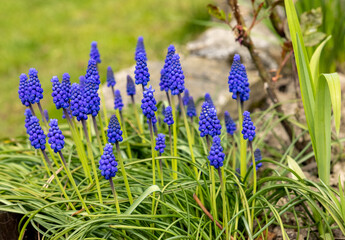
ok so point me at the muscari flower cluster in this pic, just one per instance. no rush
(78, 104)
(176, 76)
(257, 157)
(142, 75)
(114, 131)
(92, 71)
(168, 117)
(118, 104)
(148, 103)
(61, 92)
(107, 163)
(110, 77)
(248, 130)
(130, 86)
(94, 53)
(55, 137)
(36, 134)
(209, 124)
(229, 123)
(208, 99)
(185, 98)
(191, 111)
(28, 115)
(140, 49)
(90, 95)
(160, 143)
(216, 155)
(164, 80)
(238, 80)
(30, 90)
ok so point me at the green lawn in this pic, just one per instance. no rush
(54, 37)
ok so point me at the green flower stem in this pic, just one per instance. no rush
(57, 179)
(115, 196)
(42, 115)
(233, 153)
(254, 176)
(90, 154)
(123, 126)
(97, 134)
(73, 182)
(168, 97)
(105, 113)
(102, 128)
(137, 116)
(124, 174)
(213, 193)
(224, 201)
(161, 169)
(79, 147)
(174, 161)
(243, 143)
(192, 126)
(153, 163)
(89, 136)
(189, 136)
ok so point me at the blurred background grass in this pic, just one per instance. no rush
(55, 36)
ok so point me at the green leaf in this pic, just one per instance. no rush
(216, 12)
(342, 198)
(295, 167)
(153, 188)
(315, 60)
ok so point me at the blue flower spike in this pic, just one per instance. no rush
(140, 49)
(216, 155)
(118, 104)
(142, 75)
(248, 130)
(94, 53)
(130, 86)
(148, 103)
(208, 99)
(185, 98)
(257, 157)
(164, 80)
(92, 71)
(23, 90)
(28, 115)
(110, 77)
(209, 123)
(34, 87)
(55, 137)
(168, 117)
(90, 95)
(114, 131)
(160, 143)
(176, 76)
(229, 123)
(107, 163)
(78, 104)
(61, 93)
(238, 80)
(191, 111)
(36, 134)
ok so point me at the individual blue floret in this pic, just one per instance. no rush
(55, 137)
(191, 111)
(130, 86)
(238, 80)
(36, 134)
(142, 75)
(110, 77)
(168, 116)
(229, 123)
(118, 104)
(94, 53)
(148, 103)
(114, 131)
(248, 130)
(107, 163)
(216, 155)
(164, 80)
(140, 49)
(176, 77)
(160, 143)
(209, 123)
(78, 104)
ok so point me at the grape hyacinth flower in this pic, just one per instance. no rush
(216, 155)
(82, 82)
(55, 137)
(107, 163)
(248, 127)
(66, 86)
(149, 103)
(164, 80)
(78, 104)
(61, 97)
(208, 121)
(110, 77)
(176, 76)
(28, 115)
(142, 75)
(229, 123)
(185, 98)
(160, 143)
(130, 86)
(191, 111)
(238, 80)
(118, 104)
(258, 157)
(94, 53)
(92, 71)
(208, 99)
(91, 98)
(34, 87)
(114, 131)
(23, 91)
(46, 115)
(36, 134)
(140, 49)
(168, 117)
